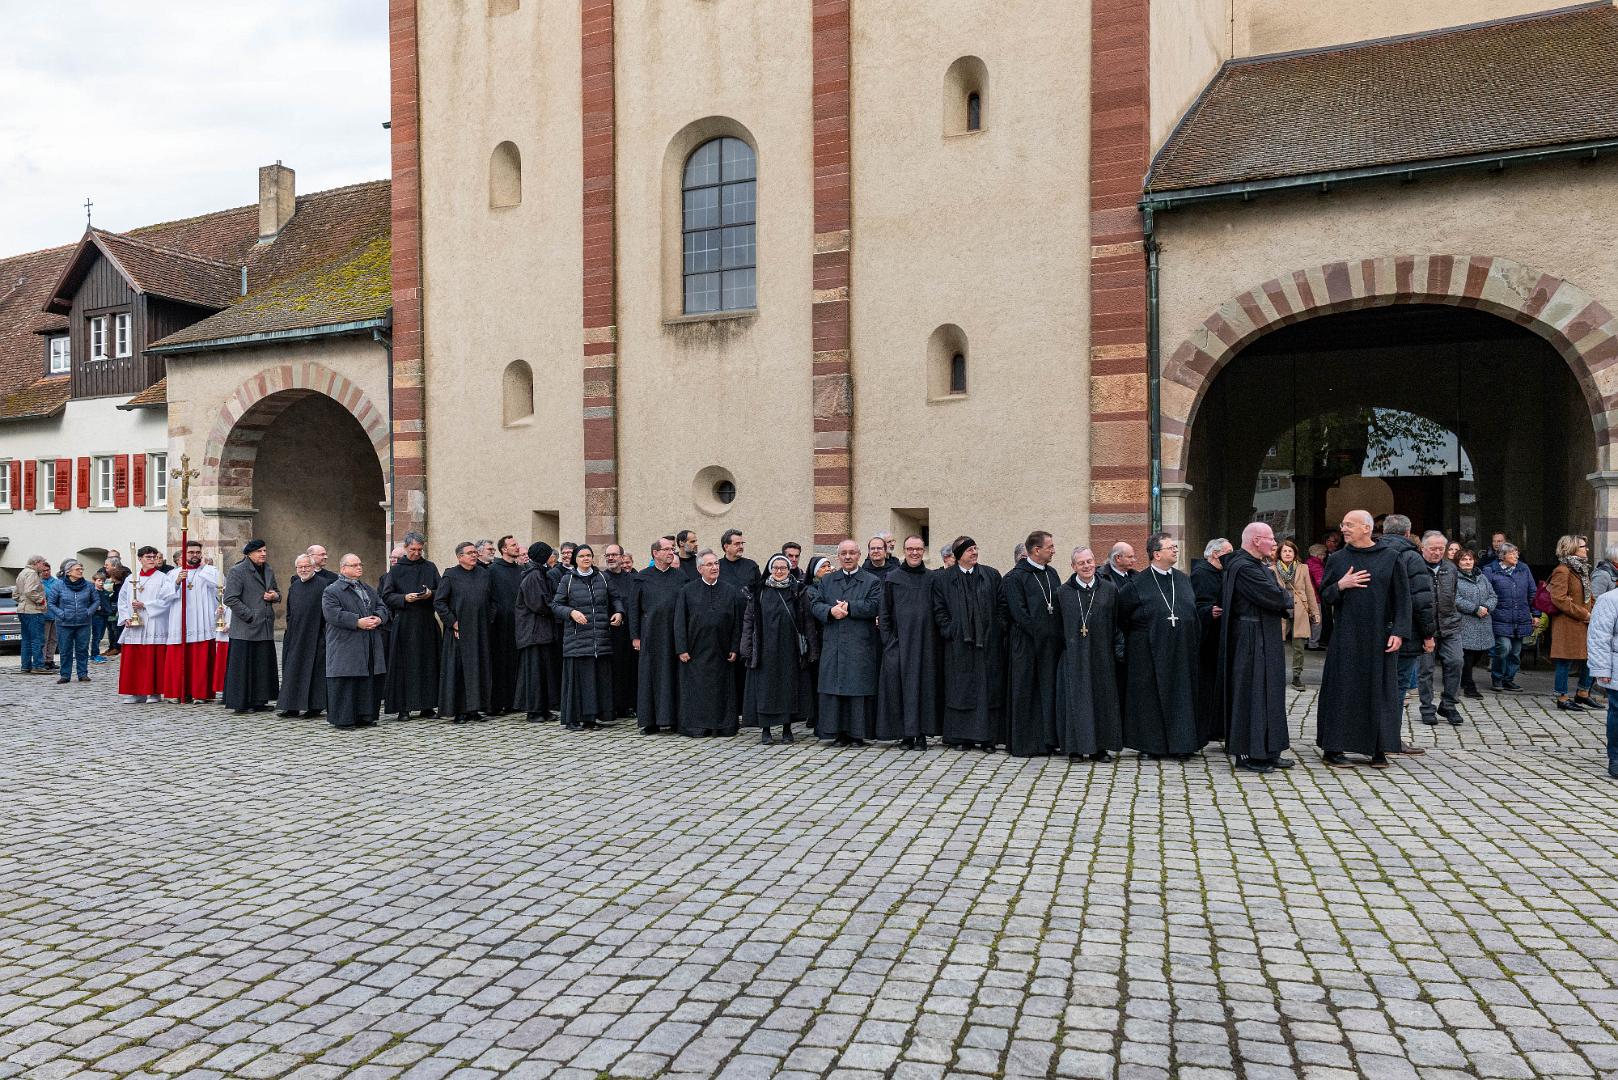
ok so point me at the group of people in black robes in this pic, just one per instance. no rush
(856, 647)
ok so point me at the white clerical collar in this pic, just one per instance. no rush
(967, 569)
(851, 573)
(1160, 570)
(1085, 584)
(1034, 566)
(584, 573)
(708, 583)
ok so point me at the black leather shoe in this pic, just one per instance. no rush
(1282, 763)
(1452, 715)
(1101, 755)
(764, 737)
(1509, 685)
(786, 734)
(1254, 765)
(1337, 760)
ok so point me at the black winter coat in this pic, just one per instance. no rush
(1446, 614)
(593, 596)
(1422, 614)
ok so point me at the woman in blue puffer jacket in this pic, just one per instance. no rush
(72, 604)
(1513, 615)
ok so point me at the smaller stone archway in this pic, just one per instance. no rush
(297, 455)
(1576, 325)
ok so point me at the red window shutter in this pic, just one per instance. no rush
(64, 483)
(84, 483)
(137, 479)
(120, 480)
(16, 484)
(28, 469)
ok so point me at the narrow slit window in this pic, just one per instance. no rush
(957, 373)
(974, 111)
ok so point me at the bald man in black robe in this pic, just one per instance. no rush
(1368, 590)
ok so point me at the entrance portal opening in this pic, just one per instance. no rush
(315, 479)
(1459, 419)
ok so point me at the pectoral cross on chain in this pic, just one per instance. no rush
(1174, 620)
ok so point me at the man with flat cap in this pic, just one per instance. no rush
(251, 593)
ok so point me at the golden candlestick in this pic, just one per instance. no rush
(134, 612)
(219, 610)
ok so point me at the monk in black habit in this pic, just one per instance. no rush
(1252, 668)
(707, 637)
(775, 654)
(967, 609)
(846, 606)
(907, 707)
(251, 593)
(539, 694)
(505, 582)
(1369, 593)
(741, 574)
(303, 646)
(466, 675)
(1034, 637)
(625, 662)
(1158, 612)
(414, 639)
(353, 615)
(1088, 720)
(1208, 583)
(651, 626)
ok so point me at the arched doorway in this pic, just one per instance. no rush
(299, 457)
(1518, 367)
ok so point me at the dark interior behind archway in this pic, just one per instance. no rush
(1506, 394)
(316, 479)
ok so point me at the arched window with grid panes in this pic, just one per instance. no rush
(719, 190)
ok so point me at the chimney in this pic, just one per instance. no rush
(277, 199)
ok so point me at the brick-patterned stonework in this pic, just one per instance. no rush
(225, 488)
(600, 301)
(833, 382)
(1120, 150)
(1579, 327)
(409, 491)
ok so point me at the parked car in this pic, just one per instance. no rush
(10, 625)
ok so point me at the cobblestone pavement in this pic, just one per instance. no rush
(187, 892)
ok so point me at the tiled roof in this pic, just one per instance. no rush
(333, 267)
(1517, 84)
(45, 397)
(167, 272)
(25, 284)
(355, 286)
(321, 265)
(151, 397)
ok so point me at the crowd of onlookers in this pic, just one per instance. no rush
(70, 613)
(1487, 606)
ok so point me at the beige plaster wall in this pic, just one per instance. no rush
(1190, 39)
(729, 393)
(501, 284)
(1550, 218)
(199, 385)
(1269, 26)
(988, 231)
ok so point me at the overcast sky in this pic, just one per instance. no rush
(162, 109)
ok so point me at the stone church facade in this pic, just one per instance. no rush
(820, 270)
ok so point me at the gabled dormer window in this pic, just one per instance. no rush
(120, 334)
(61, 355)
(98, 338)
